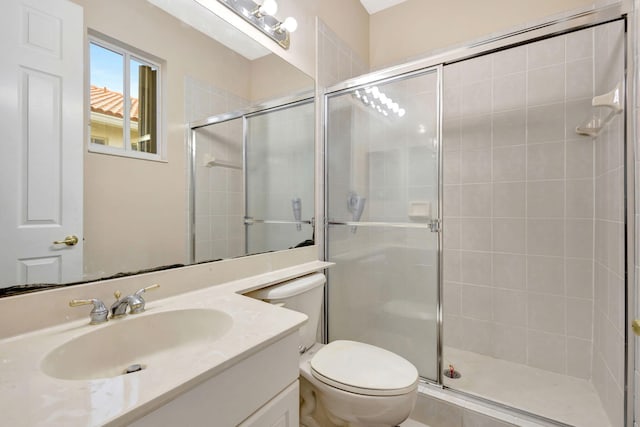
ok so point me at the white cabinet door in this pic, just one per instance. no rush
(41, 140)
(281, 411)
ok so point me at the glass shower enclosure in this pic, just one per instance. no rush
(383, 216)
(516, 153)
(252, 186)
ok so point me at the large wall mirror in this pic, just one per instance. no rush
(98, 168)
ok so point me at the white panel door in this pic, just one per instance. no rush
(41, 140)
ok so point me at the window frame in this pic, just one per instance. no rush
(128, 53)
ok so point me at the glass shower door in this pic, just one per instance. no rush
(383, 216)
(279, 177)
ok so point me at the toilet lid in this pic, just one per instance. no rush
(364, 369)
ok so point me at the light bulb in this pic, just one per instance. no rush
(395, 107)
(401, 112)
(268, 7)
(365, 99)
(290, 24)
(375, 91)
(383, 98)
(358, 94)
(367, 89)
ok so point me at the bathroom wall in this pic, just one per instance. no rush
(423, 28)
(151, 187)
(609, 265)
(518, 205)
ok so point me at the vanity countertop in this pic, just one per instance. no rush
(32, 398)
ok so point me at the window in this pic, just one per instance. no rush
(124, 100)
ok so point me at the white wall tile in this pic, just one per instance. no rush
(509, 199)
(509, 163)
(509, 92)
(545, 199)
(510, 307)
(546, 85)
(579, 358)
(546, 123)
(475, 302)
(475, 268)
(475, 200)
(509, 61)
(546, 52)
(545, 237)
(579, 277)
(475, 166)
(476, 97)
(509, 128)
(475, 132)
(509, 235)
(580, 79)
(545, 161)
(510, 343)
(509, 271)
(475, 234)
(545, 274)
(579, 318)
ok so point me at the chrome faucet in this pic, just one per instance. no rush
(135, 302)
(98, 314)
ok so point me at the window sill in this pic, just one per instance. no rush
(118, 152)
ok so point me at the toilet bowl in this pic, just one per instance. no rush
(356, 384)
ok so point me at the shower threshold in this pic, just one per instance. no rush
(554, 396)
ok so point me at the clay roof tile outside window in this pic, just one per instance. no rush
(110, 103)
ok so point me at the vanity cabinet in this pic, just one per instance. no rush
(281, 411)
(259, 390)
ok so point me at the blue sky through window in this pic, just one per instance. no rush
(107, 70)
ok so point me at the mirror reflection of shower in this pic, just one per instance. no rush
(296, 205)
(355, 204)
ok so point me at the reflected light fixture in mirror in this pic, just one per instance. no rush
(261, 17)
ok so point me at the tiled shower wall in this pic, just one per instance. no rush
(219, 201)
(609, 295)
(518, 205)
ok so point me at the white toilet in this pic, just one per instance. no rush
(357, 384)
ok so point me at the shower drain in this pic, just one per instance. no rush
(452, 373)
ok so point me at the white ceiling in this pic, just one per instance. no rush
(374, 6)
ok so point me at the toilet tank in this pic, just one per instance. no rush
(304, 295)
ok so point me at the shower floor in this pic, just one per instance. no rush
(559, 397)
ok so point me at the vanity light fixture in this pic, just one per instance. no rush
(261, 17)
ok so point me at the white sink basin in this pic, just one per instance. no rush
(150, 340)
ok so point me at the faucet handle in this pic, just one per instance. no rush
(99, 312)
(148, 288)
(137, 303)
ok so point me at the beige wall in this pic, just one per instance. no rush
(135, 210)
(271, 77)
(415, 27)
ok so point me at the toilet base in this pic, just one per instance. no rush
(338, 408)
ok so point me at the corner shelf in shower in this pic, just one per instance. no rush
(210, 161)
(612, 101)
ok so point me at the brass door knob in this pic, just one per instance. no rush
(69, 241)
(635, 325)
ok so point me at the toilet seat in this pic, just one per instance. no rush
(363, 369)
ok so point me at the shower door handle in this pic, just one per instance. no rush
(635, 325)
